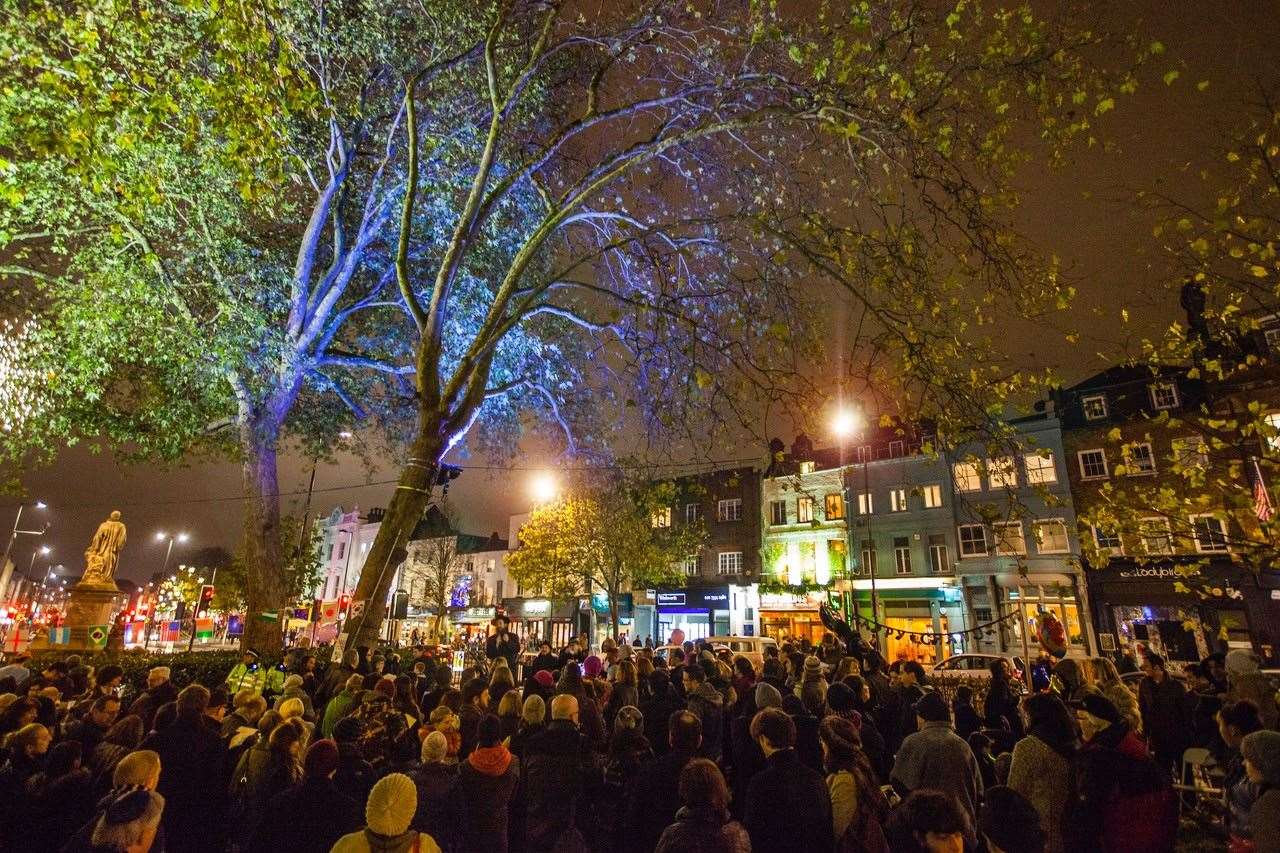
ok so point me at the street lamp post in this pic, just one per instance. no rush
(846, 424)
(5, 571)
(161, 536)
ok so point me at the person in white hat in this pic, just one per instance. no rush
(387, 814)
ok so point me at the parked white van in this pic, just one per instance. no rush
(751, 648)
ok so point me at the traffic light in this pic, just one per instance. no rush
(205, 599)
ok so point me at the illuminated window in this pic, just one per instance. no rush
(967, 477)
(897, 500)
(777, 512)
(931, 495)
(661, 517)
(1095, 407)
(1051, 536)
(691, 565)
(1191, 453)
(1008, 537)
(864, 504)
(1271, 437)
(868, 563)
(730, 563)
(1002, 473)
(834, 506)
(1040, 468)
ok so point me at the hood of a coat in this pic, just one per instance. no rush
(708, 693)
(490, 760)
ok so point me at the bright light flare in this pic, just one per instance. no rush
(544, 488)
(845, 423)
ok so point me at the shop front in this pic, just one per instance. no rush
(921, 617)
(792, 617)
(471, 621)
(992, 596)
(1182, 613)
(536, 619)
(697, 611)
(600, 611)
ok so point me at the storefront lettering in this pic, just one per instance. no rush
(671, 599)
(1155, 572)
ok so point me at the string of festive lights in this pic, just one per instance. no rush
(932, 637)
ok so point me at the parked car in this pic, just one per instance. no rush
(751, 648)
(664, 652)
(974, 665)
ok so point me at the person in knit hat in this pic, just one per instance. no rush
(439, 794)
(767, 696)
(1245, 681)
(387, 814)
(318, 813)
(1261, 751)
(850, 778)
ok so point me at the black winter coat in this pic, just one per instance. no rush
(653, 800)
(486, 806)
(788, 808)
(310, 816)
(191, 782)
(657, 710)
(440, 804)
(562, 775)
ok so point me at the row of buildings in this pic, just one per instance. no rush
(962, 549)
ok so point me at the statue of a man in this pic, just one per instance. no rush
(103, 553)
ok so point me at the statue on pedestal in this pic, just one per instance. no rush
(103, 554)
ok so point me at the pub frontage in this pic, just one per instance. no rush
(1182, 611)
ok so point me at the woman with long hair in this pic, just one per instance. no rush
(856, 800)
(120, 740)
(1042, 762)
(1113, 687)
(1000, 710)
(703, 821)
(509, 713)
(499, 683)
(263, 773)
(625, 691)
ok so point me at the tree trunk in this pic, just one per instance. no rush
(613, 614)
(264, 581)
(412, 495)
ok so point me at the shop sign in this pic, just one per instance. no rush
(1169, 572)
(787, 601)
(693, 598)
(479, 613)
(535, 608)
(600, 604)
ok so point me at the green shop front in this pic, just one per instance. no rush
(921, 617)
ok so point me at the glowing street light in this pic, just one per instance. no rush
(845, 423)
(544, 488)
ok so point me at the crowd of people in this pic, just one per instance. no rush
(697, 750)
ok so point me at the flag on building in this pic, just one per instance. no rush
(98, 634)
(171, 631)
(269, 616)
(59, 636)
(329, 611)
(1262, 506)
(204, 629)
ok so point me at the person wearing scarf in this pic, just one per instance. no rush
(488, 780)
(388, 812)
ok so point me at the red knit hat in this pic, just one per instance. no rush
(321, 759)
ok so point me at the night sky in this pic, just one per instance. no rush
(1080, 214)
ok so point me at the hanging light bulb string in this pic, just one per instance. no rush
(932, 637)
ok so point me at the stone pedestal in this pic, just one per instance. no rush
(88, 605)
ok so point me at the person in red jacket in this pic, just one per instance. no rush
(1122, 800)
